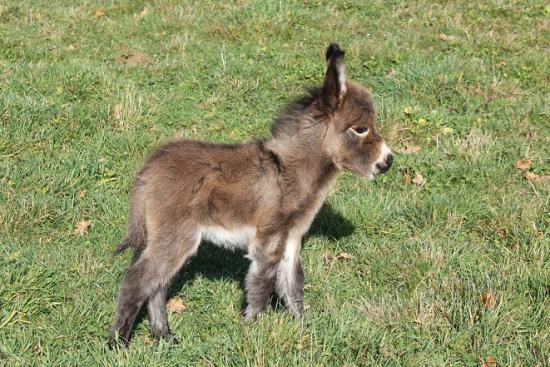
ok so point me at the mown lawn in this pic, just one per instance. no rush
(443, 261)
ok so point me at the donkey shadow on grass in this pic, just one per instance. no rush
(214, 262)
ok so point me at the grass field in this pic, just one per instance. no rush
(443, 261)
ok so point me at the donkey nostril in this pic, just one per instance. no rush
(389, 160)
(382, 167)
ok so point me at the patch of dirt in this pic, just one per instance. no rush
(134, 58)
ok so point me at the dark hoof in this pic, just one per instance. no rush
(116, 343)
(171, 339)
(168, 338)
(251, 316)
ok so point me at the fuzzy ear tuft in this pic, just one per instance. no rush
(334, 86)
(334, 51)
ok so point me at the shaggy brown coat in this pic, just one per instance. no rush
(261, 196)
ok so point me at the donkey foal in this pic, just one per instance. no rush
(261, 196)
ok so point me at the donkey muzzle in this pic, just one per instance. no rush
(386, 164)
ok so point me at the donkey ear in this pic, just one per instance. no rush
(334, 86)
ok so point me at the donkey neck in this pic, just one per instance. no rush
(303, 160)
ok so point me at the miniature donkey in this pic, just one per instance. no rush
(260, 196)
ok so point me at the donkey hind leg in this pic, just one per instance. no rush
(158, 317)
(290, 278)
(260, 285)
(145, 279)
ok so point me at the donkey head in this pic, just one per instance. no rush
(351, 139)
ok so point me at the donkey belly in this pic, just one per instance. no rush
(231, 238)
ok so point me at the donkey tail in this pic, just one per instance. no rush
(136, 233)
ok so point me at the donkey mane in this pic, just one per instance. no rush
(297, 114)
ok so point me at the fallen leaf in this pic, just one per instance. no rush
(71, 47)
(447, 130)
(408, 110)
(488, 300)
(144, 12)
(99, 12)
(81, 194)
(531, 176)
(447, 37)
(419, 180)
(392, 74)
(82, 227)
(175, 305)
(410, 148)
(148, 340)
(344, 256)
(490, 362)
(134, 58)
(523, 164)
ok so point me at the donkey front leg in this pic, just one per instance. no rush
(260, 285)
(290, 278)
(158, 317)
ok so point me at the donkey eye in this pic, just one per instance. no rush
(361, 131)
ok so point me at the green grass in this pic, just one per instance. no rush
(75, 125)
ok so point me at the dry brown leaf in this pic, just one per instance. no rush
(99, 12)
(344, 256)
(523, 164)
(531, 176)
(144, 12)
(410, 148)
(82, 227)
(392, 74)
(82, 194)
(175, 305)
(419, 180)
(134, 58)
(490, 362)
(327, 257)
(447, 37)
(408, 110)
(71, 47)
(147, 340)
(488, 300)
